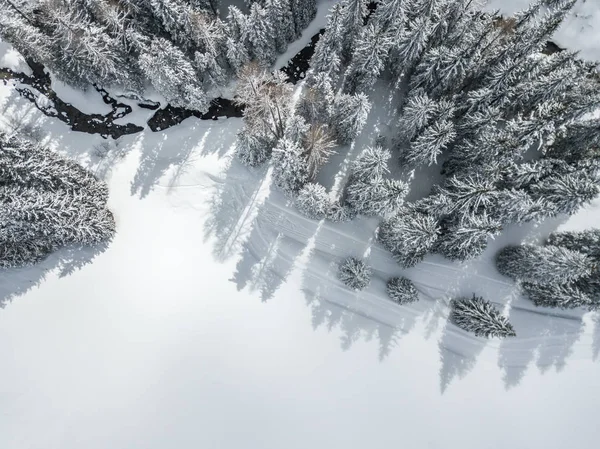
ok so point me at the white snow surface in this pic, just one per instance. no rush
(214, 320)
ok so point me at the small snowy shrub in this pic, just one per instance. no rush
(355, 273)
(480, 317)
(313, 201)
(402, 290)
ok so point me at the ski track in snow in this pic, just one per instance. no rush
(258, 227)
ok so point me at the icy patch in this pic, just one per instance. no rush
(88, 101)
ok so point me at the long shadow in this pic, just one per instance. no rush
(65, 261)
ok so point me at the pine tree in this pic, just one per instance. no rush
(303, 11)
(480, 317)
(402, 291)
(172, 74)
(368, 59)
(290, 172)
(467, 237)
(316, 100)
(355, 273)
(261, 35)
(410, 46)
(565, 194)
(283, 22)
(313, 201)
(339, 212)
(390, 14)
(416, 115)
(349, 116)
(371, 164)
(46, 202)
(353, 16)
(430, 144)
(327, 56)
(409, 236)
(563, 296)
(253, 150)
(465, 195)
(586, 242)
(381, 196)
(543, 264)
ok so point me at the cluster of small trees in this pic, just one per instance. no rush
(181, 47)
(563, 273)
(47, 202)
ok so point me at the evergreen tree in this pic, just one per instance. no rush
(355, 273)
(467, 237)
(409, 48)
(380, 196)
(172, 74)
(390, 14)
(253, 150)
(316, 100)
(290, 172)
(283, 22)
(353, 16)
(371, 164)
(543, 265)
(313, 201)
(586, 242)
(480, 317)
(327, 56)
(565, 194)
(303, 11)
(409, 236)
(46, 202)
(349, 116)
(465, 195)
(416, 115)
(402, 291)
(368, 59)
(339, 212)
(430, 144)
(261, 35)
(563, 296)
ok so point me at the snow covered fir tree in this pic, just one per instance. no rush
(47, 202)
(480, 317)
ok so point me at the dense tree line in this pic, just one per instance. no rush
(563, 273)
(47, 202)
(181, 47)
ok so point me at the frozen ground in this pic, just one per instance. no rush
(214, 320)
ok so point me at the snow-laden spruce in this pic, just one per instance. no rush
(313, 201)
(402, 290)
(355, 273)
(586, 242)
(480, 317)
(47, 202)
(544, 264)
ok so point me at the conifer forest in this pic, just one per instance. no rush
(412, 168)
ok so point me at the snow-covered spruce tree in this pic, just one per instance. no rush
(430, 144)
(381, 196)
(402, 290)
(326, 60)
(563, 296)
(349, 116)
(261, 35)
(316, 101)
(543, 264)
(480, 317)
(313, 201)
(303, 12)
(467, 237)
(173, 75)
(354, 13)
(253, 149)
(355, 273)
(409, 236)
(46, 202)
(371, 163)
(586, 242)
(368, 59)
(290, 172)
(280, 12)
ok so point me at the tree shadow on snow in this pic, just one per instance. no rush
(64, 262)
